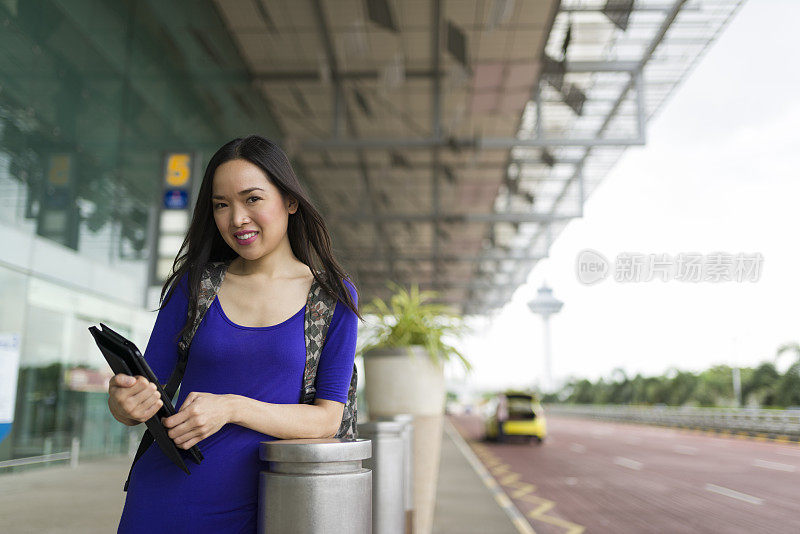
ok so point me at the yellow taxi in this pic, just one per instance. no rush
(515, 413)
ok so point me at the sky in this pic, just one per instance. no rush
(720, 173)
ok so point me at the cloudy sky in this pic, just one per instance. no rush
(720, 173)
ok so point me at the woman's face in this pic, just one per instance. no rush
(244, 201)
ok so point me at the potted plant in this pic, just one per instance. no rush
(404, 356)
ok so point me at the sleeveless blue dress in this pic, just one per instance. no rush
(263, 363)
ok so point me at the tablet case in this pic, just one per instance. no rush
(124, 357)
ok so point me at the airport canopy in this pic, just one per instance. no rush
(453, 141)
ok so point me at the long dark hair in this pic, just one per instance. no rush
(306, 229)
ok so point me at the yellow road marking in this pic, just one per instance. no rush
(522, 491)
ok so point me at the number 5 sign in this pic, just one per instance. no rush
(178, 170)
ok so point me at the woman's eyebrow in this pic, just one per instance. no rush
(240, 192)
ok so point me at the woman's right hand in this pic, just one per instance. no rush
(132, 400)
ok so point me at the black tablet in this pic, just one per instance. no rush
(124, 357)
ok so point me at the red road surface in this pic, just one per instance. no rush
(626, 478)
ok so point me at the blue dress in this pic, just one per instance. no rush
(263, 363)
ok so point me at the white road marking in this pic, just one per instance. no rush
(683, 449)
(773, 465)
(734, 494)
(789, 452)
(571, 481)
(627, 462)
(577, 447)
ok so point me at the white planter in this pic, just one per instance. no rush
(398, 383)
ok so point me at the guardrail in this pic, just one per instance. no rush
(772, 423)
(71, 455)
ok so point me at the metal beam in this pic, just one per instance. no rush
(458, 166)
(312, 75)
(488, 143)
(450, 258)
(456, 284)
(436, 129)
(456, 217)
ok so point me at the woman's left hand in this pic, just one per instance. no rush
(201, 415)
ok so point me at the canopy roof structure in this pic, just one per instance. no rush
(450, 142)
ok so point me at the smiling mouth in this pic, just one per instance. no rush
(246, 238)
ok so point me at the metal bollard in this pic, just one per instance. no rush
(408, 461)
(388, 470)
(315, 486)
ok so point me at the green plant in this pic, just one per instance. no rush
(409, 320)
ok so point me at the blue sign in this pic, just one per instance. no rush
(176, 199)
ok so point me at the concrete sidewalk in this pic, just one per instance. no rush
(59, 499)
(89, 499)
(464, 504)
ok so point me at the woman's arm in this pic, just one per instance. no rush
(203, 414)
(286, 421)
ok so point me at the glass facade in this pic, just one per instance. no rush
(92, 95)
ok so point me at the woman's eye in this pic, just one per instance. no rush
(257, 198)
(218, 204)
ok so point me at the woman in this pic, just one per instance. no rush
(243, 378)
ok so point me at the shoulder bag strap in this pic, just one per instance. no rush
(210, 282)
(319, 311)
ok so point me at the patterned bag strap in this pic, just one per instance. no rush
(210, 282)
(319, 311)
(348, 428)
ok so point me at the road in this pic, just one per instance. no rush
(595, 476)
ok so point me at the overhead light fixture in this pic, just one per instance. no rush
(547, 158)
(398, 160)
(453, 145)
(567, 39)
(555, 71)
(381, 14)
(457, 44)
(362, 102)
(574, 98)
(619, 12)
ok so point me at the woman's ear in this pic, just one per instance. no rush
(291, 204)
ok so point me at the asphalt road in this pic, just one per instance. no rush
(594, 476)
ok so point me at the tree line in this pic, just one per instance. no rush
(762, 386)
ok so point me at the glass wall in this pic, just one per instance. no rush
(92, 95)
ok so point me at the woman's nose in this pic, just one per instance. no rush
(240, 217)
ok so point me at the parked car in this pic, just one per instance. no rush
(514, 413)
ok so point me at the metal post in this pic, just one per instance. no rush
(74, 452)
(408, 462)
(315, 486)
(388, 468)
